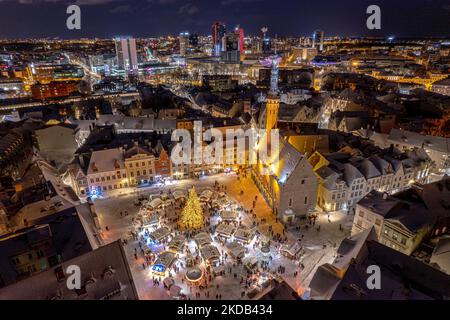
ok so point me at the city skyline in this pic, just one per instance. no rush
(151, 18)
(229, 150)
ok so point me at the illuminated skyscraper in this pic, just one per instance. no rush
(317, 40)
(230, 51)
(218, 32)
(240, 32)
(127, 55)
(193, 40)
(184, 42)
(266, 45)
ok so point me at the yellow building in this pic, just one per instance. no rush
(272, 107)
(185, 124)
(427, 82)
(140, 166)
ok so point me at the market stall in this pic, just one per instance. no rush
(291, 251)
(155, 203)
(150, 220)
(211, 254)
(160, 234)
(229, 215)
(244, 234)
(225, 230)
(236, 250)
(179, 195)
(163, 263)
(206, 195)
(202, 239)
(177, 243)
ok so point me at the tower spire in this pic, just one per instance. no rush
(273, 98)
(274, 73)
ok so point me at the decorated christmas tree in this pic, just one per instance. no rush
(192, 214)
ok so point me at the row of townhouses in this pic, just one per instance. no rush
(345, 179)
(122, 167)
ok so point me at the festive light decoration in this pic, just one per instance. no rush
(192, 214)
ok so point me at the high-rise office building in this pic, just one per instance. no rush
(240, 33)
(127, 55)
(317, 40)
(193, 40)
(231, 52)
(184, 42)
(266, 45)
(218, 33)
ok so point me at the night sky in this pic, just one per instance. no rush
(147, 18)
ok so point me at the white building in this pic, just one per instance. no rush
(343, 184)
(399, 224)
(106, 171)
(437, 148)
(127, 55)
(371, 211)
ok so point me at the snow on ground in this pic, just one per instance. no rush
(319, 246)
